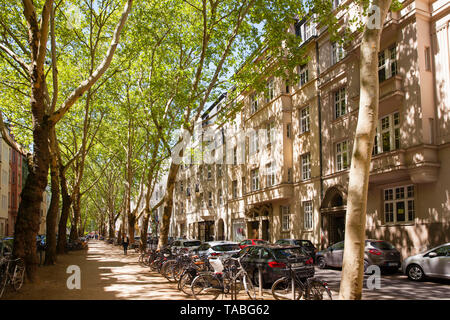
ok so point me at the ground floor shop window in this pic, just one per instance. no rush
(238, 229)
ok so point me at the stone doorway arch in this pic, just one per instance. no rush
(333, 209)
(220, 230)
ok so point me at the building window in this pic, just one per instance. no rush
(209, 199)
(271, 174)
(235, 156)
(342, 156)
(340, 102)
(304, 120)
(254, 102)
(271, 132)
(235, 189)
(387, 64)
(254, 143)
(303, 73)
(219, 170)
(387, 136)
(288, 130)
(244, 186)
(306, 166)
(308, 215)
(209, 172)
(337, 52)
(289, 175)
(285, 218)
(336, 3)
(219, 196)
(399, 204)
(270, 90)
(255, 179)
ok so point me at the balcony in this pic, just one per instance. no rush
(277, 192)
(419, 164)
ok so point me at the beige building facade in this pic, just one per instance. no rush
(4, 187)
(281, 166)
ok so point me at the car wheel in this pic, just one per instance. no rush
(321, 262)
(415, 272)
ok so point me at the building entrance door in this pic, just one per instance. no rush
(206, 231)
(265, 230)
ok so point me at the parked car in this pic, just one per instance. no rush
(135, 244)
(190, 245)
(433, 263)
(251, 242)
(376, 252)
(218, 248)
(305, 244)
(273, 259)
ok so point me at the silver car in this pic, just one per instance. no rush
(218, 248)
(376, 252)
(432, 263)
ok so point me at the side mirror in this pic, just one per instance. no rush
(432, 254)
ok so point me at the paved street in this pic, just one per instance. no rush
(392, 286)
(107, 274)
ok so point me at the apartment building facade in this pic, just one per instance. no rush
(4, 187)
(286, 155)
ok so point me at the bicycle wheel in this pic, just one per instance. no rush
(249, 287)
(202, 288)
(282, 290)
(177, 271)
(184, 284)
(18, 275)
(3, 281)
(318, 290)
(167, 269)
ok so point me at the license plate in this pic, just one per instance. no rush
(392, 264)
(296, 265)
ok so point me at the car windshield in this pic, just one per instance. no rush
(191, 243)
(304, 243)
(382, 245)
(226, 247)
(260, 241)
(288, 253)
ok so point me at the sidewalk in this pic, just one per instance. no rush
(106, 274)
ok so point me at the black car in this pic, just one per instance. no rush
(305, 244)
(273, 260)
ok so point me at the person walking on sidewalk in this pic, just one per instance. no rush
(125, 243)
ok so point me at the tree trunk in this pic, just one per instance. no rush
(355, 225)
(28, 217)
(131, 224)
(76, 216)
(168, 205)
(65, 212)
(111, 226)
(52, 214)
(144, 230)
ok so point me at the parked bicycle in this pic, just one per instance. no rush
(295, 287)
(190, 271)
(12, 272)
(229, 277)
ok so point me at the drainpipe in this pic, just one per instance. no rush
(319, 104)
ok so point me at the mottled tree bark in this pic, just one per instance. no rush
(52, 214)
(65, 212)
(355, 225)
